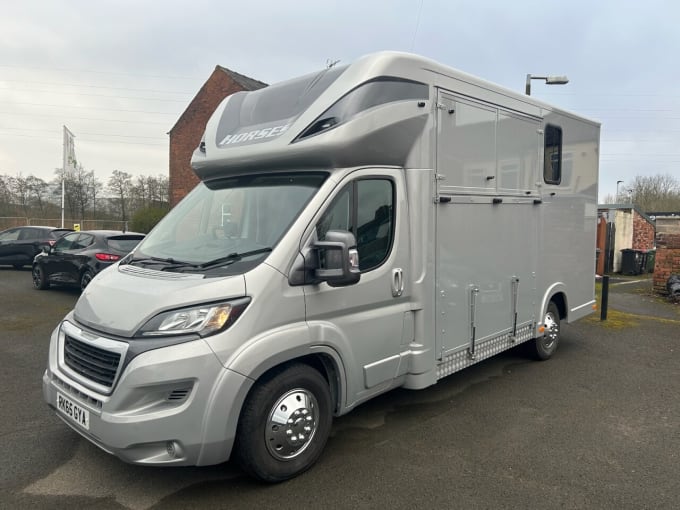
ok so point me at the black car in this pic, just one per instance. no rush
(20, 245)
(77, 257)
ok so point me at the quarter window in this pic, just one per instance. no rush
(366, 209)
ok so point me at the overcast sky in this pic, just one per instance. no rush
(119, 74)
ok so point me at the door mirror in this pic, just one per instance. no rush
(338, 259)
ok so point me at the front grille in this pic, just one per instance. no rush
(91, 362)
(84, 397)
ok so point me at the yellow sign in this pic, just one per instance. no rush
(76, 227)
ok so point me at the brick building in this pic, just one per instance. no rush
(186, 134)
(667, 260)
(629, 228)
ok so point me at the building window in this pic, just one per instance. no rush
(552, 156)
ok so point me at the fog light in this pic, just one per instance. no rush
(170, 447)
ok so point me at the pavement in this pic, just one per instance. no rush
(634, 295)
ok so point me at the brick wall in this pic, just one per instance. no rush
(667, 260)
(186, 134)
(643, 233)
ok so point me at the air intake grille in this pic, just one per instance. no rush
(91, 362)
(179, 394)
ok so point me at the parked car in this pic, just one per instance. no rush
(77, 257)
(20, 245)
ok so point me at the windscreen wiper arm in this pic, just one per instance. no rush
(231, 258)
(171, 263)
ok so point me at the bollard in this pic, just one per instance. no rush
(605, 298)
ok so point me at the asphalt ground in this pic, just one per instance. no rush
(597, 426)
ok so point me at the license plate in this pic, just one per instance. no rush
(73, 411)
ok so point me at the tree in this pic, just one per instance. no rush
(656, 193)
(37, 189)
(140, 191)
(21, 192)
(94, 187)
(145, 219)
(120, 184)
(6, 195)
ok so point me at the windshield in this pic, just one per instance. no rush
(227, 226)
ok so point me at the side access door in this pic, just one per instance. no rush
(486, 226)
(370, 322)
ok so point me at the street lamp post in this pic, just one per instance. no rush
(617, 190)
(549, 80)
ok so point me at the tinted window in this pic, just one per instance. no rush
(83, 241)
(365, 208)
(552, 156)
(248, 114)
(66, 242)
(373, 93)
(58, 232)
(30, 234)
(11, 235)
(123, 244)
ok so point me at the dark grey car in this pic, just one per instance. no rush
(77, 257)
(20, 245)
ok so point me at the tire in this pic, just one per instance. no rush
(544, 347)
(85, 279)
(39, 279)
(284, 424)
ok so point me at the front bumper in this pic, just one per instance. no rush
(174, 405)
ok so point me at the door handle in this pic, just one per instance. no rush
(397, 282)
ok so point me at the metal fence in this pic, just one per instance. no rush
(19, 221)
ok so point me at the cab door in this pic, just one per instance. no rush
(366, 321)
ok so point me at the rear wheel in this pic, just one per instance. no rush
(39, 279)
(85, 279)
(544, 347)
(284, 424)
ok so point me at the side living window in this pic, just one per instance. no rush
(552, 155)
(365, 208)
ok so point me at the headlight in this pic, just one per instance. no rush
(203, 320)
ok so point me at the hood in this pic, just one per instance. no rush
(121, 299)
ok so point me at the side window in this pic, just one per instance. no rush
(66, 242)
(366, 208)
(83, 241)
(11, 235)
(552, 155)
(29, 233)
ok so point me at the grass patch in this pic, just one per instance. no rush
(615, 319)
(619, 320)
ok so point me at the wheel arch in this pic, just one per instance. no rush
(323, 360)
(557, 293)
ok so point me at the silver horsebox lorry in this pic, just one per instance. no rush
(378, 225)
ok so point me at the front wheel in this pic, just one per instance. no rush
(544, 347)
(39, 278)
(284, 424)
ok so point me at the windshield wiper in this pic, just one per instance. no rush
(231, 258)
(169, 262)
